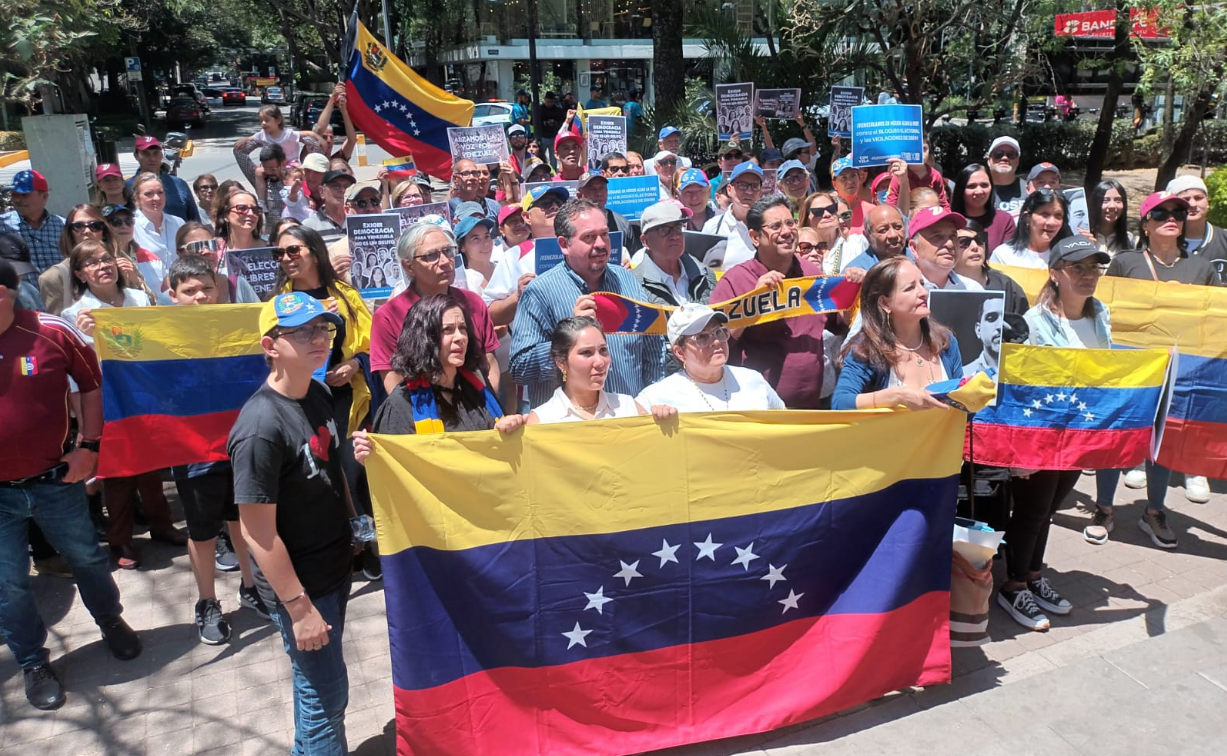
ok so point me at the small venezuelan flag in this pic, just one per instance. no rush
(401, 168)
(29, 366)
(1071, 409)
(173, 382)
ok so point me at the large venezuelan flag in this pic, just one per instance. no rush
(1193, 319)
(1070, 409)
(398, 109)
(611, 587)
(173, 382)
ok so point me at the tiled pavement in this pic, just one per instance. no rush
(1140, 666)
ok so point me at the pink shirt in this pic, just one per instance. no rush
(389, 320)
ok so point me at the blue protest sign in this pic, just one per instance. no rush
(548, 253)
(632, 195)
(881, 132)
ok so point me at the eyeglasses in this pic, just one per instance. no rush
(432, 257)
(307, 334)
(618, 169)
(795, 178)
(79, 226)
(966, 241)
(998, 154)
(669, 231)
(746, 186)
(293, 250)
(468, 174)
(117, 222)
(845, 216)
(1162, 214)
(806, 247)
(98, 262)
(245, 209)
(1083, 269)
(667, 161)
(774, 228)
(207, 188)
(364, 204)
(818, 211)
(707, 338)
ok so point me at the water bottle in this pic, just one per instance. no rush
(363, 528)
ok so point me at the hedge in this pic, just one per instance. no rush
(1217, 184)
(12, 140)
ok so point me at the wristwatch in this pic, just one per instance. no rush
(91, 445)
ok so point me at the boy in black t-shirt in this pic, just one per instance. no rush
(294, 508)
(207, 488)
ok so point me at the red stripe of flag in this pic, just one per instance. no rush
(1057, 448)
(1194, 447)
(142, 443)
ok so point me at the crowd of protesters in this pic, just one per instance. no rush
(499, 347)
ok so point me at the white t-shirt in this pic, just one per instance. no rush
(740, 389)
(506, 276)
(288, 140)
(161, 241)
(559, 409)
(1028, 258)
(132, 298)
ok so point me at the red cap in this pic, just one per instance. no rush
(107, 169)
(145, 142)
(564, 136)
(930, 216)
(507, 212)
(1158, 198)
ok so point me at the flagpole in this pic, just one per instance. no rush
(534, 73)
(387, 28)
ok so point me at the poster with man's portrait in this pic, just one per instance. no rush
(976, 318)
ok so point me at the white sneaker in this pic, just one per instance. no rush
(1135, 479)
(1196, 489)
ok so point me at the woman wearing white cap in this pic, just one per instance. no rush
(699, 341)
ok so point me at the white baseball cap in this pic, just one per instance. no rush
(1004, 140)
(1185, 183)
(690, 319)
(659, 214)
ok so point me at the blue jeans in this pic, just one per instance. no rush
(1157, 480)
(321, 682)
(62, 513)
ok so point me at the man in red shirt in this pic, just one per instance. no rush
(427, 256)
(40, 483)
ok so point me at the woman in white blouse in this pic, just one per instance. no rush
(582, 358)
(97, 283)
(1042, 222)
(699, 340)
(155, 229)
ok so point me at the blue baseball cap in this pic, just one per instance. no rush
(692, 177)
(841, 165)
(790, 165)
(770, 155)
(292, 310)
(537, 192)
(466, 225)
(669, 131)
(746, 167)
(25, 182)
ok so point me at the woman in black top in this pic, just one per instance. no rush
(444, 389)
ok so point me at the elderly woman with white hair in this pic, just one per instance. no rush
(427, 254)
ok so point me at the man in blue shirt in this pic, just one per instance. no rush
(520, 113)
(566, 291)
(29, 219)
(179, 199)
(633, 112)
(594, 99)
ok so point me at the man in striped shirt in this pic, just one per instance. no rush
(565, 291)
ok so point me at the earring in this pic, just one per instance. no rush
(564, 375)
(887, 313)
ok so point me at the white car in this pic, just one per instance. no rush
(492, 113)
(213, 97)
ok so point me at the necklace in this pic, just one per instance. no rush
(1155, 257)
(724, 386)
(920, 361)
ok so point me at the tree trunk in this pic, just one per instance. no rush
(1193, 115)
(1107, 112)
(668, 66)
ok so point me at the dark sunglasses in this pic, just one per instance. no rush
(94, 226)
(1162, 215)
(965, 241)
(818, 212)
(294, 250)
(733, 156)
(244, 209)
(998, 154)
(207, 188)
(619, 169)
(667, 161)
(364, 204)
(116, 221)
(807, 247)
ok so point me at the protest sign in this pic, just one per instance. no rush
(257, 267)
(570, 186)
(481, 144)
(411, 215)
(976, 318)
(547, 253)
(735, 111)
(839, 115)
(630, 196)
(372, 242)
(778, 103)
(606, 134)
(770, 182)
(881, 132)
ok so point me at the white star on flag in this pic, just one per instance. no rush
(597, 600)
(1037, 404)
(1089, 417)
(1060, 397)
(666, 553)
(577, 636)
(1081, 406)
(707, 549)
(1048, 398)
(745, 556)
(1073, 398)
(377, 108)
(774, 574)
(789, 603)
(387, 104)
(628, 571)
(416, 132)
(1027, 412)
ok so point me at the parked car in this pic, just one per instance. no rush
(234, 97)
(492, 113)
(184, 110)
(315, 106)
(190, 90)
(213, 96)
(273, 96)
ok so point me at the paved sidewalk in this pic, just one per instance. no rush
(1139, 667)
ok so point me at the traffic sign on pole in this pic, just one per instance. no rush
(134, 68)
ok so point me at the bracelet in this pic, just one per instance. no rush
(291, 601)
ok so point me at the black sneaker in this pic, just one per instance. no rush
(250, 598)
(223, 554)
(211, 626)
(1022, 607)
(1048, 599)
(122, 640)
(43, 689)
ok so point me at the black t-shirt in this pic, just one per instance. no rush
(287, 452)
(551, 120)
(1010, 197)
(468, 413)
(1189, 270)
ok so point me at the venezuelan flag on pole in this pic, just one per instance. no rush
(612, 587)
(173, 382)
(398, 109)
(1071, 409)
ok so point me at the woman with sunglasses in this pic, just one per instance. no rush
(99, 283)
(83, 223)
(972, 262)
(1042, 222)
(155, 228)
(820, 211)
(1108, 211)
(238, 221)
(122, 222)
(195, 239)
(975, 199)
(205, 187)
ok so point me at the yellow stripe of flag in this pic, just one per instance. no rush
(1026, 365)
(140, 334)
